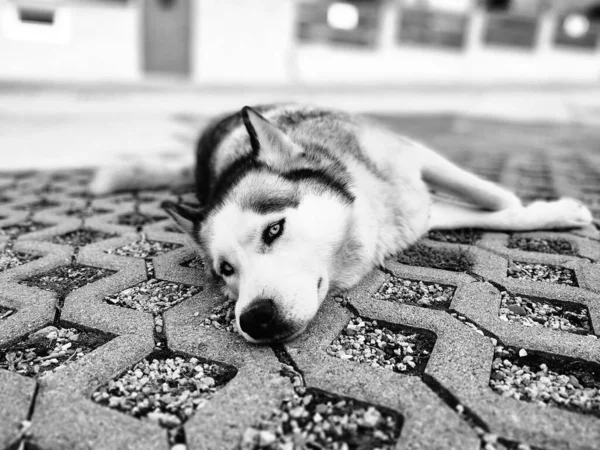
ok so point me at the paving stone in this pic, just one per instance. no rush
(252, 394)
(48, 349)
(16, 395)
(446, 296)
(66, 417)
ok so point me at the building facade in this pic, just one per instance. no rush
(253, 42)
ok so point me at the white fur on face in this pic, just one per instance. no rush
(288, 272)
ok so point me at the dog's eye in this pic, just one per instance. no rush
(226, 269)
(273, 231)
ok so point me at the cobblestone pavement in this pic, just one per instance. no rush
(113, 337)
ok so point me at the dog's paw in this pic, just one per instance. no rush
(116, 178)
(563, 213)
(107, 180)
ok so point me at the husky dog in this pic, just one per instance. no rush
(297, 202)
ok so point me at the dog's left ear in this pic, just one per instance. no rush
(269, 144)
(185, 216)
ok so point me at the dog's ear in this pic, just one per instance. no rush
(186, 217)
(269, 144)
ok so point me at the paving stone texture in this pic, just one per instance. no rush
(112, 336)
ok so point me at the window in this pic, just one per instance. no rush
(340, 22)
(576, 31)
(433, 28)
(510, 30)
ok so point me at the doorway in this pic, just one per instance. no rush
(166, 31)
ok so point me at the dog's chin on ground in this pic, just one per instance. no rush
(279, 339)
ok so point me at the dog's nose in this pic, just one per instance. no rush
(258, 320)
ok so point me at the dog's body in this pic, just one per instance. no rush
(299, 201)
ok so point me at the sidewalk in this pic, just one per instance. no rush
(46, 127)
(113, 336)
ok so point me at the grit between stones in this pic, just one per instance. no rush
(421, 255)
(365, 341)
(81, 237)
(144, 248)
(49, 348)
(136, 219)
(27, 226)
(537, 313)
(467, 236)
(556, 246)
(65, 279)
(318, 420)
(548, 380)
(542, 272)
(10, 258)
(222, 317)
(418, 293)
(153, 296)
(38, 205)
(167, 390)
(5, 312)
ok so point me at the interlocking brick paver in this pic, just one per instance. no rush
(472, 339)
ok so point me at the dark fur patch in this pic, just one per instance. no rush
(324, 179)
(271, 204)
(254, 142)
(294, 118)
(231, 176)
(209, 141)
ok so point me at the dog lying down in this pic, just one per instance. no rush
(297, 202)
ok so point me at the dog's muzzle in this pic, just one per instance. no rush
(259, 321)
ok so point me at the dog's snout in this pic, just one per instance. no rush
(258, 320)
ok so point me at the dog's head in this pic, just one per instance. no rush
(272, 230)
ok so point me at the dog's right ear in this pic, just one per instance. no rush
(269, 143)
(186, 217)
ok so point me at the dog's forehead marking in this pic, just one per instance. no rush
(266, 193)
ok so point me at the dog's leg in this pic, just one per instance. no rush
(564, 213)
(441, 174)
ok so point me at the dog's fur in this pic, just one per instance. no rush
(300, 201)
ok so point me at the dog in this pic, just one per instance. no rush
(298, 201)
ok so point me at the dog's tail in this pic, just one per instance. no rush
(141, 176)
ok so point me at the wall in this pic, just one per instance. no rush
(89, 41)
(243, 41)
(390, 62)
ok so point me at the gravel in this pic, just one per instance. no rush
(86, 211)
(546, 380)
(418, 293)
(153, 296)
(467, 236)
(222, 317)
(5, 312)
(318, 420)
(10, 259)
(421, 255)
(165, 390)
(539, 313)
(491, 442)
(195, 263)
(65, 279)
(27, 226)
(403, 350)
(144, 248)
(38, 205)
(542, 272)
(136, 219)
(49, 348)
(557, 246)
(173, 229)
(81, 237)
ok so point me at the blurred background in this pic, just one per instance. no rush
(102, 75)
(300, 41)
